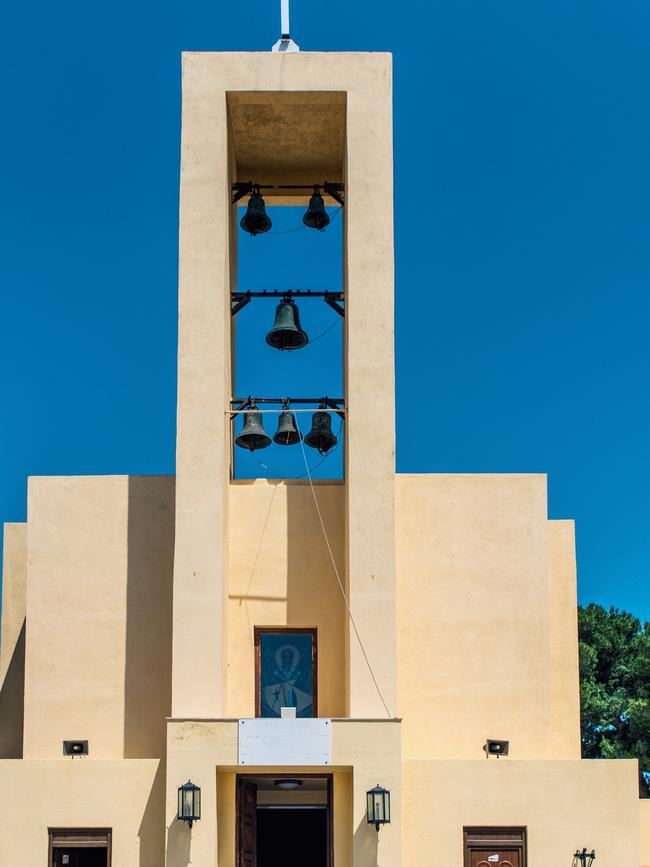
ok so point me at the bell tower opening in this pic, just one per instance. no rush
(287, 284)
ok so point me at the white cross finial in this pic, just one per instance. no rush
(285, 43)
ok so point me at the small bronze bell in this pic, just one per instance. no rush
(316, 216)
(286, 332)
(253, 436)
(255, 221)
(320, 436)
(287, 433)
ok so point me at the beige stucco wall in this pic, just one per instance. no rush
(564, 675)
(280, 573)
(644, 820)
(127, 796)
(473, 621)
(98, 652)
(14, 583)
(564, 805)
(12, 640)
(206, 752)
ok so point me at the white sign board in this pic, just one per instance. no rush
(285, 742)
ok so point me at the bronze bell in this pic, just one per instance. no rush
(286, 332)
(320, 436)
(316, 216)
(253, 436)
(255, 221)
(287, 433)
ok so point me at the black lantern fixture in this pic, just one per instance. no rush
(256, 221)
(316, 216)
(189, 803)
(378, 806)
(587, 858)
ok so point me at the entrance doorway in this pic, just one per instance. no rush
(284, 821)
(79, 847)
(494, 847)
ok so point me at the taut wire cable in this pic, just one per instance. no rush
(338, 578)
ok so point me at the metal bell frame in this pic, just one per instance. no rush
(319, 437)
(315, 217)
(239, 300)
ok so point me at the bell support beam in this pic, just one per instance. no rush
(241, 404)
(239, 300)
(243, 188)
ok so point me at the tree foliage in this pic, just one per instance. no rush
(615, 687)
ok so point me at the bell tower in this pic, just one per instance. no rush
(284, 121)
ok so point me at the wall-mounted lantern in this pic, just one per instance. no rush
(189, 803)
(585, 857)
(378, 806)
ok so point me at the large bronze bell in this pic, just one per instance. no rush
(255, 221)
(320, 436)
(287, 433)
(253, 436)
(286, 332)
(316, 216)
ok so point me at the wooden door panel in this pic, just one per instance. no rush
(246, 824)
(494, 858)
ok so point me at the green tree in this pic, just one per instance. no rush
(615, 687)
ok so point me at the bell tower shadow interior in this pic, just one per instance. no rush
(281, 141)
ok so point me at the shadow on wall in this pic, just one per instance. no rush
(313, 594)
(12, 695)
(179, 843)
(147, 683)
(151, 832)
(366, 845)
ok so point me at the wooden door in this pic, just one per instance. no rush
(494, 858)
(246, 824)
(495, 847)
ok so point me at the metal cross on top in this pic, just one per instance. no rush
(285, 42)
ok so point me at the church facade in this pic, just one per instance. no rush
(283, 647)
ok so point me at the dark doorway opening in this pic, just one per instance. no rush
(80, 847)
(285, 820)
(292, 837)
(80, 857)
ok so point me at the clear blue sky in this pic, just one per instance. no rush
(522, 135)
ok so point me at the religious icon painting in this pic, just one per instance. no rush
(285, 671)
